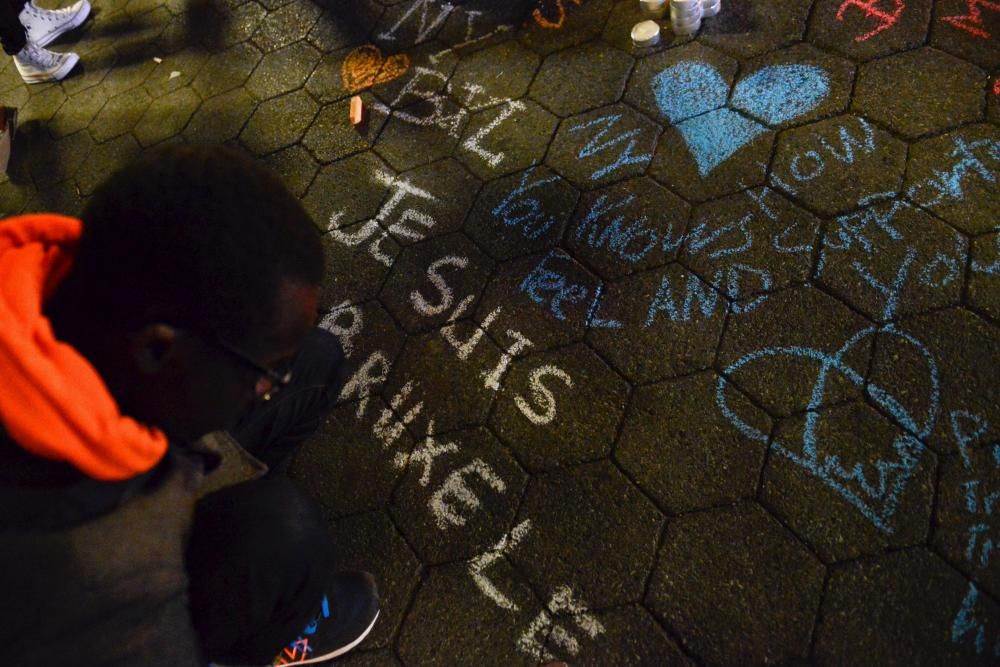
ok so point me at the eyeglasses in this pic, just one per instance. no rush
(269, 383)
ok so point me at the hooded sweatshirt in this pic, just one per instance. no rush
(95, 507)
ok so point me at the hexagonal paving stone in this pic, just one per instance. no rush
(658, 324)
(60, 160)
(777, 350)
(758, 231)
(935, 375)
(877, 611)
(522, 213)
(241, 22)
(588, 513)
(120, 114)
(163, 80)
(285, 25)
(442, 192)
(81, 108)
(105, 159)
(220, 118)
(745, 28)
(279, 122)
(478, 24)
(353, 274)
(955, 177)
(557, 86)
(370, 542)
(799, 84)
(719, 569)
(344, 467)
(629, 636)
(421, 134)
(603, 146)
(167, 116)
(506, 138)
(681, 83)
(984, 277)
(864, 31)
(482, 631)
(364, 330)
(349, 191)
(429, 280)
(931, 91)
(405, 78)
(42, 105)
(503, 71)
(849, 482)
(458, 496)
(405, 25)
(891, 259)
(837, 164)
(993, 99)
(968, 30)
(295, 166)
(628, 227)
(435, 358)
(965, 523)
(282, 71)
(559, 407)
(546, 297)
(680, 449)
(559, 25)
(331, 137)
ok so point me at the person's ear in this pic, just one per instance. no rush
(153, 345)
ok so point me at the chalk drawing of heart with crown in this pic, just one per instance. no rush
(695, 98)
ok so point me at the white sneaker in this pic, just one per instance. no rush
(44, 25)
(38, 65)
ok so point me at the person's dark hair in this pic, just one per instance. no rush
(198, 237)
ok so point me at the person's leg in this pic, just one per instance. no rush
(259, 561)
(12, 33)
(275, 429)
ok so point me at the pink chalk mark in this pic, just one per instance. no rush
(972, 22)
(885, 19)
(996, 86)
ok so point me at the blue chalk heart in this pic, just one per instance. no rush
(781, 92)
(692, 94)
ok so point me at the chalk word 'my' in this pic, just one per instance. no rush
(598, 144)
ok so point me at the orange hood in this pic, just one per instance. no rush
(53, 403)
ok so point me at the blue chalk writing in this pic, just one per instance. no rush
(631, 242)
(961, 421)
(516, 210)
(989, 269)
(696, 292)
(945, 269)
(734, 293)
(950, 185)
(595, 145)
(808, 165)
(593, 320)
(698, 239)
(541, 279)
(967, 625)
(876, 500)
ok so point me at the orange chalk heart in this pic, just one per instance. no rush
(365, 66)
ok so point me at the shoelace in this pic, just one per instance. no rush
(41, 56)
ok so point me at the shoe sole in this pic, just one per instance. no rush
(75, 22)
(342, 650)
(58, 75)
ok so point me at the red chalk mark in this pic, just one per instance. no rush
(996, 86)
(885, 19)
(972, 22)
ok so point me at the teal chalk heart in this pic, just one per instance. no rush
(692, 96)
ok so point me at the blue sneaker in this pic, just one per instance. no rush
(347, 614)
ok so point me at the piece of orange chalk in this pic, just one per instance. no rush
(357, 110)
